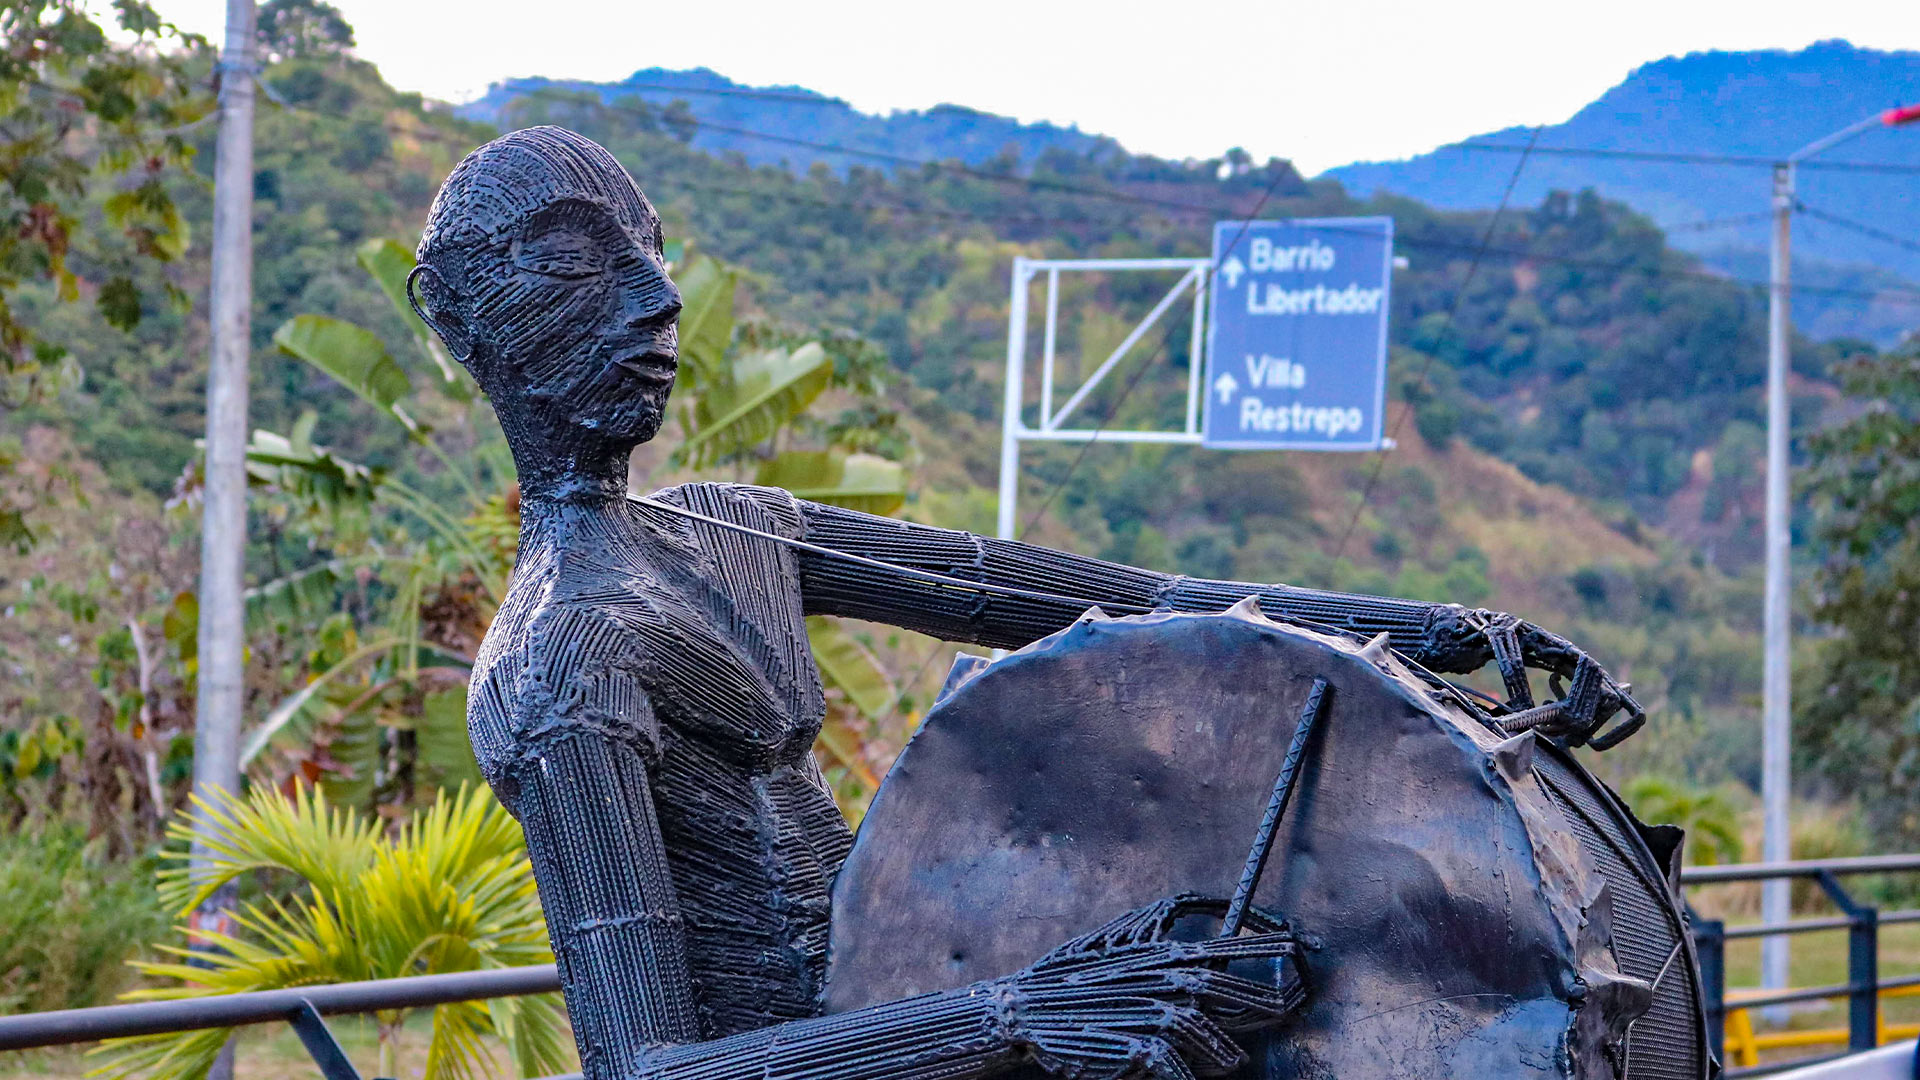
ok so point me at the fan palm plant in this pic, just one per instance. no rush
(450, 890)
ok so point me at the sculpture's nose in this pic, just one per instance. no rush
(652, 304)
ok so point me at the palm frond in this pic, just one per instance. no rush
(306, 836)
(450, 891)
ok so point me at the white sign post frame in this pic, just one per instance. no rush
(1196, 276)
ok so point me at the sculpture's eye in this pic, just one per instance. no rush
(564, 254)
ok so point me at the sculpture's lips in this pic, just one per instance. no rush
(650, 367)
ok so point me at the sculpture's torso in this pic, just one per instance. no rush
(615, 601)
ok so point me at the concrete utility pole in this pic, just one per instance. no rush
(216, 748)
(1776, 756)
(1776, 779)
(223, 533)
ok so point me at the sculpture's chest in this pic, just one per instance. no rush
(715, 633)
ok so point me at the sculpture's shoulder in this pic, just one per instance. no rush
(767, 509)
(554, 664)
(576, 607)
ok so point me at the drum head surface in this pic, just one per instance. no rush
(1457, 919)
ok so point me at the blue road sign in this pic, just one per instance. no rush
(1297, 334)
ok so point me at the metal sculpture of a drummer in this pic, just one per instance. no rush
(645, 704)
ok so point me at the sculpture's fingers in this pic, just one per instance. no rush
(1202, 1042)
(1243, 1004)
(1261, 921)
(1163, 1062)
(1138, 925)
(1084, 1053)
(1159, 920)
(1265, 946)
(1141, 925)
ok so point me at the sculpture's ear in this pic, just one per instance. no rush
(438, 306)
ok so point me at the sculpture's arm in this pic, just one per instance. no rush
(568, 744)
(1442, 637)
(1122, 1002)
(566, 738)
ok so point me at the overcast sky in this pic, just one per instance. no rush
(1322, 83)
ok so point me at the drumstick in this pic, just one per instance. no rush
(1276, 806)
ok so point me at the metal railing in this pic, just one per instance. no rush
(304, 1007)
(1862, 990)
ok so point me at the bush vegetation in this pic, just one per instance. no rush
(73, 918)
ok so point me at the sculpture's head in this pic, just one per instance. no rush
(540, 268)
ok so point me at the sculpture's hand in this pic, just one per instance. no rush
(1128, 1001)
(1459, 639)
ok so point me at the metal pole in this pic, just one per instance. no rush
(1710, 945)
(1775, 763)
(1196, 353)
(1048, 339)
(223, 538)
(1010, 423)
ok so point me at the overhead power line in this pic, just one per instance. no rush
(1680, 158)
(1717, 223)
(1861, 227)
(1446, 331)
(1197, 210)
(1662, 156)
(1214, 212)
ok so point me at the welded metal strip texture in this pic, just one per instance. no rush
(1669, 1042)
(1460, 928)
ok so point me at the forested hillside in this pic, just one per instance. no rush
(1584, 349)
(1582, 444)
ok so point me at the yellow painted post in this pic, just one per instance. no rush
(1740, 1044)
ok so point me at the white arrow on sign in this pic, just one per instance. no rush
(1231, 270)
(1226, 384)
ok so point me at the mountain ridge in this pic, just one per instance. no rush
(1756, 104)
(725, 109)
(1854, 284)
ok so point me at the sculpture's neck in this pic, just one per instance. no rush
(553, 481)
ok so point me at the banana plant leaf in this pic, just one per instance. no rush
(388, 263)
(764, 391)
(304, 592)
(352, 743)
(290, 706)
(706, 322)
(273, 458)
(851, 667)
(441, 735)
(353, 357)
(862, 482)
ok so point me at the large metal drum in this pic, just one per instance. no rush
(1481, 905)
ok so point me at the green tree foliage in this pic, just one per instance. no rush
(302, 30)
(85, 115)
(1710, 817)
(450, 890)
(96, 642)
(1583, 349)
(1583, 352)
(1860, 714)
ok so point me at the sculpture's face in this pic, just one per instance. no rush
(576, 301)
